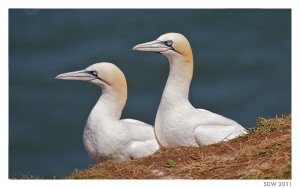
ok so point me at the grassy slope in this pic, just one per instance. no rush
(265, 153)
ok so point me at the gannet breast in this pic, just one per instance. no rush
(177, 122)
(105, 135)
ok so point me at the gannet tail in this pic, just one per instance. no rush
(210, 134)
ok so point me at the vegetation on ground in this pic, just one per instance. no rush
(265, 153)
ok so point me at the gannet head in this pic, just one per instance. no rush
(105, 75)
(169, 44)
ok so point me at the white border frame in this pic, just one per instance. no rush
(203, 4)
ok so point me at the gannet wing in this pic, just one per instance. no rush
(210, 134)
(216, 128)
(138, 130)
(142, 138)
(136, 122)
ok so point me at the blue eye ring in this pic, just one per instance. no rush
(169, 43)
(95, 73)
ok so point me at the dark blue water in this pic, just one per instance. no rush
(242, 71)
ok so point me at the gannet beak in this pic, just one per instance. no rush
(77, 75)
(153, 46)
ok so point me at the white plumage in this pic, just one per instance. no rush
(177, 121)
(105, 135)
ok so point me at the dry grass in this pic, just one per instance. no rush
(265, 153)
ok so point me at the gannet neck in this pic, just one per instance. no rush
(113, 98)
(179, 79)
(177, 122)
(105, 135)
(178, 50)
(109, 106)
(113, 83)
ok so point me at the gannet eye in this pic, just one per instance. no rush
(169, 43)
(95, 73)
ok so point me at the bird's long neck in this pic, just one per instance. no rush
(110, 104)
(179, 80)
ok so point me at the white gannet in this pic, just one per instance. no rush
(177, 122)
(106, 136)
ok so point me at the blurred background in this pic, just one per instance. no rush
(242, 71)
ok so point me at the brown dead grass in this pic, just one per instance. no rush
(265, 153)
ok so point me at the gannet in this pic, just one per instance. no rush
(106, 136)
(177, 122)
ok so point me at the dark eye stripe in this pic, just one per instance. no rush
(169, 43)
(95, 73)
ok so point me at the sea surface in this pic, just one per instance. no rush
(242, 71)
